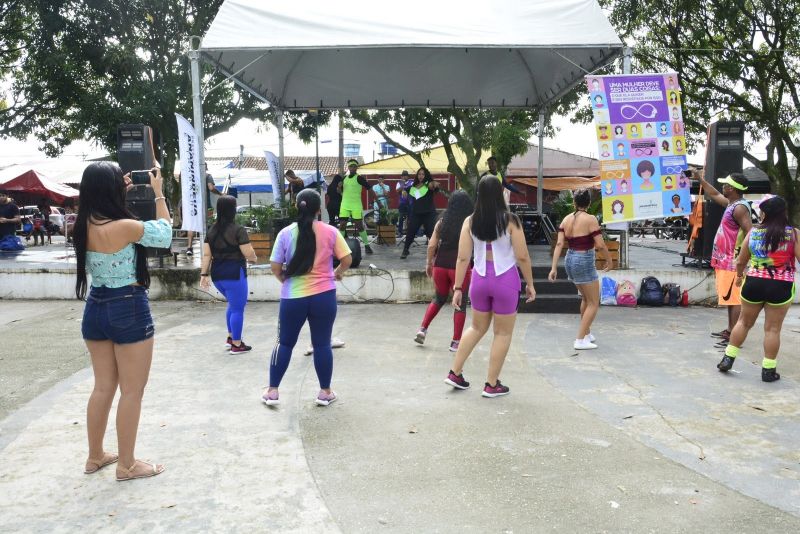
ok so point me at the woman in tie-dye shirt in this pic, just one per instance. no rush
(302, 259)
(766, 271)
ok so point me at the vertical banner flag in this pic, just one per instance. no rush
(272, 165)
(192, 181)
(640, 139)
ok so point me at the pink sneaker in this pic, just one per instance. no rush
(270, 398)
(496, 390)
(457, 381)
(324, 399)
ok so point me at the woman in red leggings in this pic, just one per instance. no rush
(441, 266)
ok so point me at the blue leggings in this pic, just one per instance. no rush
(235, 292)
(320, 311)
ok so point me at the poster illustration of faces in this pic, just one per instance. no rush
(642, 147)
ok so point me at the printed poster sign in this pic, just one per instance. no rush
(274, 176)
(642, 150)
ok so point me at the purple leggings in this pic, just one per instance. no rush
(492, 293)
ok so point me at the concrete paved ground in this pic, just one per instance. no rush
(602, 441)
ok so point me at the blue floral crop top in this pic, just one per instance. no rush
(118, 269)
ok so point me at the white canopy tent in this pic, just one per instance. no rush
(466, 53)
(312, 54)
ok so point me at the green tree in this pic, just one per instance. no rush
(478, 133)
(89, 66)
(736, 59)
(15, 24)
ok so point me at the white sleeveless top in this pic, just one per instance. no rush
(502, 252)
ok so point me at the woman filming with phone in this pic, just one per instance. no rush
(117, 326)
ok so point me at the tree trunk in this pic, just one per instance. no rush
(171, 185)
(785, 185)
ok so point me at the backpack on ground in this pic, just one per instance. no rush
(608, 291)
(626, 294)
(650, 292)
(11, 243)
(672, 294)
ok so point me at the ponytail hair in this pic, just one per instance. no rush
(308, 206)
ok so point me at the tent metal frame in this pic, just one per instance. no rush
(231, 74)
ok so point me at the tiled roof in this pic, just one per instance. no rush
(328, 165)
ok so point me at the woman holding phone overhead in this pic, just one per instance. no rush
(117, 326)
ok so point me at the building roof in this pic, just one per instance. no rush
(557, 163)
(328, 165)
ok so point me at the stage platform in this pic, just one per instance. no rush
(49, 273)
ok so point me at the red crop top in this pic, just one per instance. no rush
(581, 243)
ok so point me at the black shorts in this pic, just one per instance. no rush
(767, 291)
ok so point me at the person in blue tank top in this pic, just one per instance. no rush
(117, 326)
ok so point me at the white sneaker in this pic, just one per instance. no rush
(336, 343)
(591, 337)
(420, 338)
(583, 344)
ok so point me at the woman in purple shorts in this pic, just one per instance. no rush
(495, 237)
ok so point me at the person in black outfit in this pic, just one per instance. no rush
(296, 185)
(423, 211)
(226, 251)
(9, 216)
(334, 200)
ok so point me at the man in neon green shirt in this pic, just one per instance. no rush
(351, 207)
(491, 161)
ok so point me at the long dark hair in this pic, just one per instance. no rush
(459, 207)
(102, 199)
(775, 222)
(491, 215)
(427, 177)
(308, 205)
(226, 213)
(582, 198)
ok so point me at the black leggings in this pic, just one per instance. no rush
(333, 214)
(415, 221)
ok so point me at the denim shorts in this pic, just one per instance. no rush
(121, 314)
(580, 266)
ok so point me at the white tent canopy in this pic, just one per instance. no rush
(310, 54)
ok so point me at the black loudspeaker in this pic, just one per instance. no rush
(140, 200)
(355, 247)
(135, 147)
(724, 155)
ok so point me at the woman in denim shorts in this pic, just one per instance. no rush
(117, 326)
(582, 234)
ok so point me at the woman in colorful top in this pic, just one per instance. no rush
(422, 211)
(117, 326)
(441, 265)
(226, 251)
(302, 259)
(495, 236)
(581, 232)
(771, 249)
